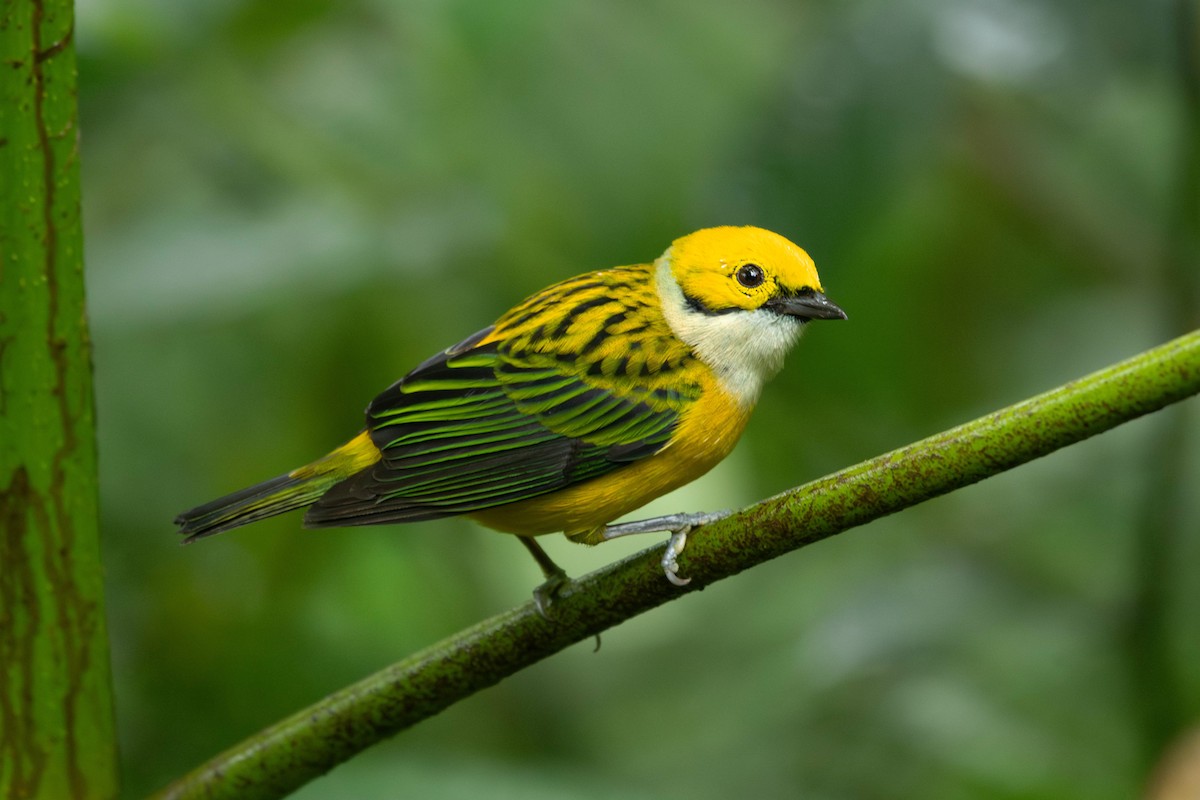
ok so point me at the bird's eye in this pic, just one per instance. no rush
(750, 275)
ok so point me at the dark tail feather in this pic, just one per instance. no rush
(297, 489)
(260, 501)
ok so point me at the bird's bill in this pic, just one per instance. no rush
(809, 305)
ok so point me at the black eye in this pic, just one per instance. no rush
(750, 275)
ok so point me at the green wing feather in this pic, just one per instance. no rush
(481, 425)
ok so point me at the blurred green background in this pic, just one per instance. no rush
(289, 205)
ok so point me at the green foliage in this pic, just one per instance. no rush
(56, 717)
(289, 206)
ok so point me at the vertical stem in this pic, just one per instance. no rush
(1157, 687)
(56, 719)
(1182, 265)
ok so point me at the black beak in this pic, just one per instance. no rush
(806, 305)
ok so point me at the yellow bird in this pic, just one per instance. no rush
(586, 401)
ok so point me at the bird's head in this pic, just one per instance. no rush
(740, 296)
(726, 270)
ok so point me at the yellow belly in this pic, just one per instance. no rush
(707, 432)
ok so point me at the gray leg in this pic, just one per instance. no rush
(679, 526)
(556, 578)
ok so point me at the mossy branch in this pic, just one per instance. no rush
(292, 752)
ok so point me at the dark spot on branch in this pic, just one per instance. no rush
(18, 636)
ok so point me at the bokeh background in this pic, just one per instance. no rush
(288, 205)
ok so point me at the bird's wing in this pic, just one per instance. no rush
(479, 426)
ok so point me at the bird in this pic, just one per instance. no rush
(579, 405)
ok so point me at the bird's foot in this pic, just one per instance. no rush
(544, 593)
(679, 525)
(670, 559)
(556, 578)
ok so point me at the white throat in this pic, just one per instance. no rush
(744, 348)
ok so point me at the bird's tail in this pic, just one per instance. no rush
(296, 489)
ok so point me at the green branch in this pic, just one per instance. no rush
(285, 756)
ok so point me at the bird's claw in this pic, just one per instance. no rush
(544, 594)
(670, 559)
